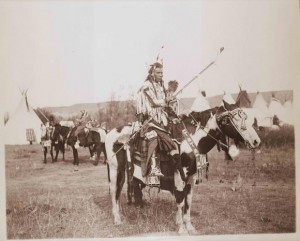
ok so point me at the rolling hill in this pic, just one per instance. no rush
(92, 108)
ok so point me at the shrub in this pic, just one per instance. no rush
(285, 136)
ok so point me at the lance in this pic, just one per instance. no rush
(178, 92)
(157, 58)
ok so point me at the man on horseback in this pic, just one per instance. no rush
(152, 101)
(83, 124)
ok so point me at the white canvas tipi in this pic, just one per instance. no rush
(288, 106)
(227, 98)
(277, 109)
(200, 103)
(261, 111)
(24, 126)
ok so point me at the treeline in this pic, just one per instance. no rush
(115, 113)
(284, 137)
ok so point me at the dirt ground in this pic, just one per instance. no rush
(247, 196)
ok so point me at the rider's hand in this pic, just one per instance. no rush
(176, 121)
(170, 98)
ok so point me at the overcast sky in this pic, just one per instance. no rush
(68, 52)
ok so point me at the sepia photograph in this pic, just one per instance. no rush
(149, 120)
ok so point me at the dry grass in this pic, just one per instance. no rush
(53, 201)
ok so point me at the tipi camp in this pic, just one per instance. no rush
(276, 108)
(24, 126)
(243, 99)
(227, 98)
(288, 106)
(262, 113)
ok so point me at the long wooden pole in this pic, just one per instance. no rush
(221, 50)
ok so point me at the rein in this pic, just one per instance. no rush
(201, 161)
(203, 128)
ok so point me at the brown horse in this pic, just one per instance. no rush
(91, 140)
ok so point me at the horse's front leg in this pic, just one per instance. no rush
(97, 150)
(92, 154)
(56, 152)
(63, 150)
(51, 152)
(129, 171)
(76, 159)
(187, 209)
(45, 154)
(179, 220)
(180, 195)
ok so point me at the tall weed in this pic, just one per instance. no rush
(285, 136)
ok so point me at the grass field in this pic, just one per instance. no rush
(50, 200)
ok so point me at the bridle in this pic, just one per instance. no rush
(198, 126)
(235, 118)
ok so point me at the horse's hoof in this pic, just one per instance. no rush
(183, 231)
(193, 232)
(140, 204)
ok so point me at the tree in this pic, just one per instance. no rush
(117, 112)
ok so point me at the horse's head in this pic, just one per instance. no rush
(232, 121)
(49, 132)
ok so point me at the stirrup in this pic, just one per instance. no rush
(153, 181)
(156, 172)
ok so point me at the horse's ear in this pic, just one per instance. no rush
(228, 106)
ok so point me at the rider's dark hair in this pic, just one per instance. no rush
(151, 70)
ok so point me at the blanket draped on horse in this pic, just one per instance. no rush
(162, 140)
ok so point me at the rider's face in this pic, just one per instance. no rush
(158, 74)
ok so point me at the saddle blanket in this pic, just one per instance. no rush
(30, 135)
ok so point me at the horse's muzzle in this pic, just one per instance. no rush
(254, 144)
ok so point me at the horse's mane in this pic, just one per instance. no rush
(200, 116)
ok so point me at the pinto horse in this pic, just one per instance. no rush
(228, 120)
(90, 140)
